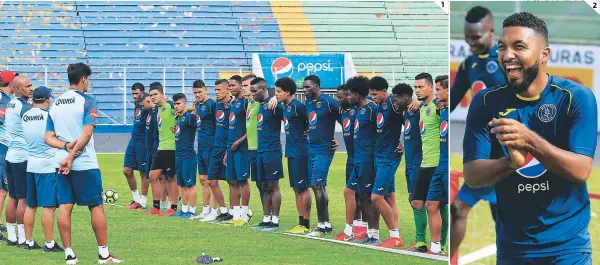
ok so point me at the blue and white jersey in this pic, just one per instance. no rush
(41, 156)
(68, 114)
(17, 145)
(4, 100)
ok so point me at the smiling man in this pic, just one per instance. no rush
(534, 138)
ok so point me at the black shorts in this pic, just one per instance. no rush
(165, 161)
(421, 188)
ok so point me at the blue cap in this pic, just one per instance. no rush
(41, 93)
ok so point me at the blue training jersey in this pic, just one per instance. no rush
(17, 145)
(444, 129)
(237, 123)
(222, 123)
(476, 72)
(322, 112)
(139, 123)
(413, 153)
(4, 99)
(151, 130)
(347, 118)
(365, 132)
(205, 124)
(540, 213)
(185, 135)
(295, 125)
(268, 125)
(41, 156)
(68, 115)
(389, 128)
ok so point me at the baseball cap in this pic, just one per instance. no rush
(7, 76)
(42, 93)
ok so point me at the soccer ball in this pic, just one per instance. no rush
(110, 196)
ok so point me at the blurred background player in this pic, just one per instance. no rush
(205, 121)
(429, 125)
(216, 168)
(185, 155)
(150, 140)
(323, 112)
(16, 160)
(269, 157)
(481, 68)
(135, 154)
(389, 123)
(41, 171)
(6, 90)
(79, 179)
(164, 160)
(540, 175)
(437, 198)
(296, 150)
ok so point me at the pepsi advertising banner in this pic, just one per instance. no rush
(332, 69)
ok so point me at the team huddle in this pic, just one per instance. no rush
(238, 139)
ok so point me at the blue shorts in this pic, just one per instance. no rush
(41, 190)
(584, 258)
(203, 158)
(364, 175)
(185, 170)
(269, 166)
(252, 162)
(3, 180)
(318, 166)
(82, 187)
(298, 172)
(148, 162)
(349, 168)
(411, 176)
(16, 175)
(135, 155)
(471, 196)
(385, 176)
(216, 169)
(438, 187)
(238, 167)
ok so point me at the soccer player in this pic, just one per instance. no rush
(268, 157)
(135, 154)
(163, 161)
(236, 159)
(429, 126)
(437, 198)
(150, 139)
(185, 155)
(296, 150)
(534, 137)
(323, 112)
(41, 171)
(72, 117)
(6, 90)
(478, 70)
(216, 168)
(251, 131)
(389, 129)
(205, 122)
(16, 161)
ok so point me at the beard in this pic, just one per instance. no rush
(529, 74)
(345, 104)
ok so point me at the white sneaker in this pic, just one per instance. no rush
(209, 218)
(200, 216)
(110, 260)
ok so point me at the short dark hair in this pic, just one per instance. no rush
(286, 84)
(156, 86)
(236, 78)
(250, 76)
(425, 76)
(476, 14)
(315, 79)
(342, 87)
(179, 96)
(138, 86)
(258, 80)
(221, 81)
(77, 71)
(198, 83)
(378, 83)
(358, 84)
(443, 80)
(402, 89)
(528, 20)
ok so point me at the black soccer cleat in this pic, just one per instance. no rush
(328, 230)
(2, 228)
(55, 248)
(12, 243)
(35, 246)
